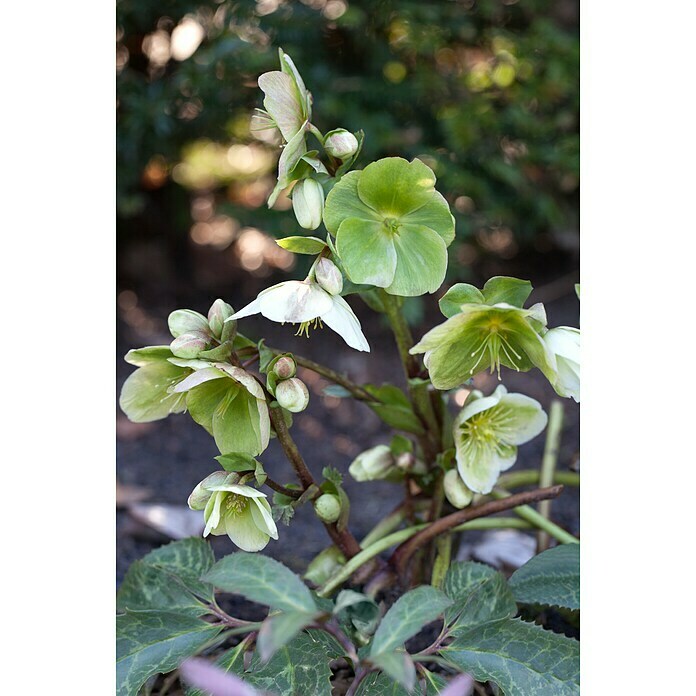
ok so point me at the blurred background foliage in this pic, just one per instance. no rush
(486, 92)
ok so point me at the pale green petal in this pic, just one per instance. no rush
(245, 491)
(288, 66)
(513, 291)
(202, 401)
(247, 380)
(149, 354)
(261, 514)
(294, 301)
(239, 424)
(395, 187)
(343, 202)
(146, 395)
(244, 533)
(421, 261)
(518, 419)
(212, 515)
(480, 466)
(196, 379)
(282, 102)
(478, 404)
(343, 321)
(434, 214)
(367, 252)
(459, 294)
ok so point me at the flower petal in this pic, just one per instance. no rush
(294, 301)
(343, 321)
(436, 215)
(261, 513)
(252, 308)
(421, 261)
(282, 102)
(212, 514)
(343, 202)
(366, 250)
(480, 466)
(519, 418)
(243, 531)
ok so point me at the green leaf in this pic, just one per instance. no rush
(168, 578)
(407, 616)
(348, 163)
(521, 658)
(395, 408)
(398, 665)
(279, 629)
(434, 683)
(145, 395)
(358, 609)
(461, 580)
(263, 580)
(491, 600)
(332, 474)
(231, 660)
(237, 461)
(300, 668)
(302, 245)
(400, 445)
(219, 353)
(504, 289)
(380, 684)
(150, 642)
(456, 296)
(551, 578)
(337, 391)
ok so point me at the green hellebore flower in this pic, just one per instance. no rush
(240, 511)
(229, 403)
(392, 227)
(487, 432)
(487, 330)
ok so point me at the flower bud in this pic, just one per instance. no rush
(456, 491)
(324, 565)
(327, 507)
(285, 367)
(308, 203)
(328, 276)
(340, 143)
(186, 321)
(370, 465)
(292, 395)
(218, 312)
(189, 345)
(407, 462)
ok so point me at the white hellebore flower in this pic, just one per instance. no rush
(487, 432)
(240, 511)
(564, 342)
(305, 302)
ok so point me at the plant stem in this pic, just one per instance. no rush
(443, 556)
(530, 477)
(356, 390)
(333, 629)
(345, 541)
(279, 488)
(533, 517)
(548, 465)
(367, 554)
(401, 557)
(391, 522)
(419, 393)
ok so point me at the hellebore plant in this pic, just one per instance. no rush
(388, 230)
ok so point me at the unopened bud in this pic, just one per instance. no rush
(218, 312)
(328, 276)
(189, 345)
(308, 203)
(408, 463)
(340, 143)
(456, 491)
(372, 464)
(292, 394)
(324, 565)
(285, 367)
(183, 321)
(327, 507)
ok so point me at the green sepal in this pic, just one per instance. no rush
(302, 245)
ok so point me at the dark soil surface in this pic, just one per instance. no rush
(170, 457)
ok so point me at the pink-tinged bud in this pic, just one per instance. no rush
(189, 345)
(217, 314)
(328, 276)
(456, 490)
(183, 321)
(327, 507)
(285, 367)
(340, 143)
(373, 464)
(292, 394)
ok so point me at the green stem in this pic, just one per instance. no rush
(548, 465)
(533, 517)
(530, 477)
(443, 556)
(367, 554)
(315, 132)
(391, 522)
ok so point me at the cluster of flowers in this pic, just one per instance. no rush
(388, 228)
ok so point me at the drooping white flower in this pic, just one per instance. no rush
(240, 511)
(564, 342)
(305, 303)
(487, 432)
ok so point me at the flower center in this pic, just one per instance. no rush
(392, 225)
(493, 344)
(235, 504)
(305, 326)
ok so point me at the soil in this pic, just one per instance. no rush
(170, 457)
